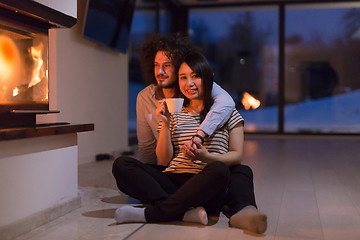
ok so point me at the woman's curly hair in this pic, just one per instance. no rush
(175, 47)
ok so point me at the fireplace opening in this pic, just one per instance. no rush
(24, 82)
(24, 66)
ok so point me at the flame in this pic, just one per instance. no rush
(14, 74)
(38, 72)
(249, 101)
(8, 57)
(15, 92)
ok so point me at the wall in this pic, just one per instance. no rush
(64, 6)
(89, 84)
(38, 182)
(29, 193)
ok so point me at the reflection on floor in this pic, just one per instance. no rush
(308, 187)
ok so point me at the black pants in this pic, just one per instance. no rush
(171, 194)
(241, 189)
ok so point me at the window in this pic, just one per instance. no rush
(322, 74)
(318, 88)
(242, 46)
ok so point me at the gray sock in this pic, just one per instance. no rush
(196, 215)
(126, 213)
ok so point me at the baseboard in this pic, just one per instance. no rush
(33, 221)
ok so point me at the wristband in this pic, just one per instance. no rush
(199, 136)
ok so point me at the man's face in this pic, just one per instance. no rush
(164, 71)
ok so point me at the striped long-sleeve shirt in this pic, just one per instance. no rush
(183, 127)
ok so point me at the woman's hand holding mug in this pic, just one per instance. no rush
(162, 112)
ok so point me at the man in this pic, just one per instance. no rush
(160, 56)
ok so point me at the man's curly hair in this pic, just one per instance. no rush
(175, 47)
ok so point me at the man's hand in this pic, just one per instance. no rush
(189, 149)
(195, 151)
(202, 153)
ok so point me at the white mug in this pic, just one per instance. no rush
(174, 105)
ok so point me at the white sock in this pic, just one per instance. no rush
(249, 218)
(196, 215)
(128, 213)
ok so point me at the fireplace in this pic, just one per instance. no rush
(48, 188)
(24, 71)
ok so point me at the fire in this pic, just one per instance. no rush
(8, 57)
(15, 92)
(249, 101)
(19, 79)
(38, 73)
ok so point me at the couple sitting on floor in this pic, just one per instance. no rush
(199, 150)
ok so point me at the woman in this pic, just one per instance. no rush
(195, 83)
(225, 145)
(198, 179)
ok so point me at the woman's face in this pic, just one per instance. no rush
(190, 83)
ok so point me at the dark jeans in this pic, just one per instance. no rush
(241, 189)
(171, 194)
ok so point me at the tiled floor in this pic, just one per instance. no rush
(308, 187)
